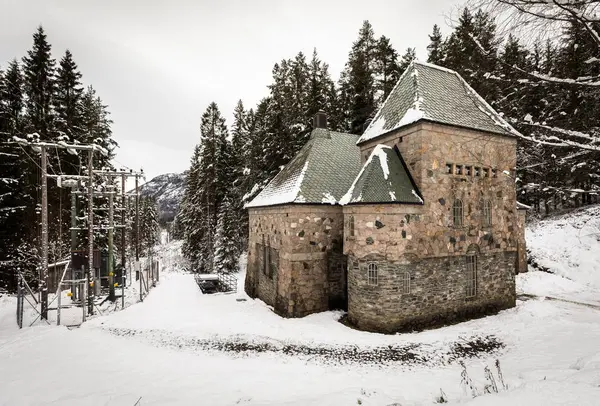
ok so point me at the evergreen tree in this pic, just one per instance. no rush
(356, 82)
(409, 56)
(67, 98)
(435, 49)
(226, 239)
(387, 71)
(39, 81)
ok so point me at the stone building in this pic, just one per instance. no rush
(412, 224)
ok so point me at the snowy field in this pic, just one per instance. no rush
(180, 347)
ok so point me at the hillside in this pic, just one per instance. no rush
(168, 190)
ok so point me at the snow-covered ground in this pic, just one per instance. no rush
(180, 347)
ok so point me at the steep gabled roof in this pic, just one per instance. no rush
(433, 93)
(383, 178)
(320, 173)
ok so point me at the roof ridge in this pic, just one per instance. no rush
(433, 66)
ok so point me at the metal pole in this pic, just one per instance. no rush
(44, 270)
(73, 236)
(111, 225)
(58, 304)
(83, 294)
(123, 243)
(90, 271)
(137, 220)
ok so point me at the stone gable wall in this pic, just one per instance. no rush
(307, 237)
(424, 241)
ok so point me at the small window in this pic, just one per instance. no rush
(373, 274)
(351, 226)
(471, 276)
(494, 173)
(486, 172)
(457, 213)
(477, 171)
(266, 256)
(458, 170)
(487, 213)
(406, 287)
(469, 170)
(449, 169)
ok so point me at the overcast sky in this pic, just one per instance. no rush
(158, 64)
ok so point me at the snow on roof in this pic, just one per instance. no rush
(320, 173)
(287, 192)
(383, 179)
(434, 93)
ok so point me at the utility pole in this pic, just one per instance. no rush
(90, 272)
(73, 234)
(44, 270)
(111, 225)
(123, 243)
(137, 238)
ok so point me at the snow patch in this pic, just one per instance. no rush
(328, 198)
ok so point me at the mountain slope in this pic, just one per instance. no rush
(167, 189)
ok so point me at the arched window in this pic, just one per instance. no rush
(351, 226)
(406, 287)
(471, 276)
(487, 213)
(372, 274)
(457, 213)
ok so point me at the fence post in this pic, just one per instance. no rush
(58, 304)
(19, 303)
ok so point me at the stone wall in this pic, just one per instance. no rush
(425, 241)
(308, 239)
(413, 293)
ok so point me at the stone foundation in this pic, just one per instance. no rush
(436, 295)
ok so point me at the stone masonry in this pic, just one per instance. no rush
(308, 242)
(422, 240)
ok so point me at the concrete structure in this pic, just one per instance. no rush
(414, 224)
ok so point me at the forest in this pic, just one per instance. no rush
(545, 86)
(45, 100)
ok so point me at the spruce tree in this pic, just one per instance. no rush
(67, 98)
(435, 49)
(409, 56)
(226, 239)
(39, 80)
(356, 82)
(387, 70)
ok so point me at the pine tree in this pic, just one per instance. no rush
(67, 98)
(226, 239)
(435, 49)
(409, 56)
(357, 93)
(39, 81)
(387, 71)
(14, 198)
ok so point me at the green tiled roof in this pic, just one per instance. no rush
(320, 173)
(431, 92)
(384, 178)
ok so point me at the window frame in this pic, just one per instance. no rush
(458, 170)
(471, 276)
(351, 226)
(458, 213)
(449, 168)
(406, 286)
(486, 208)
(372, 274)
